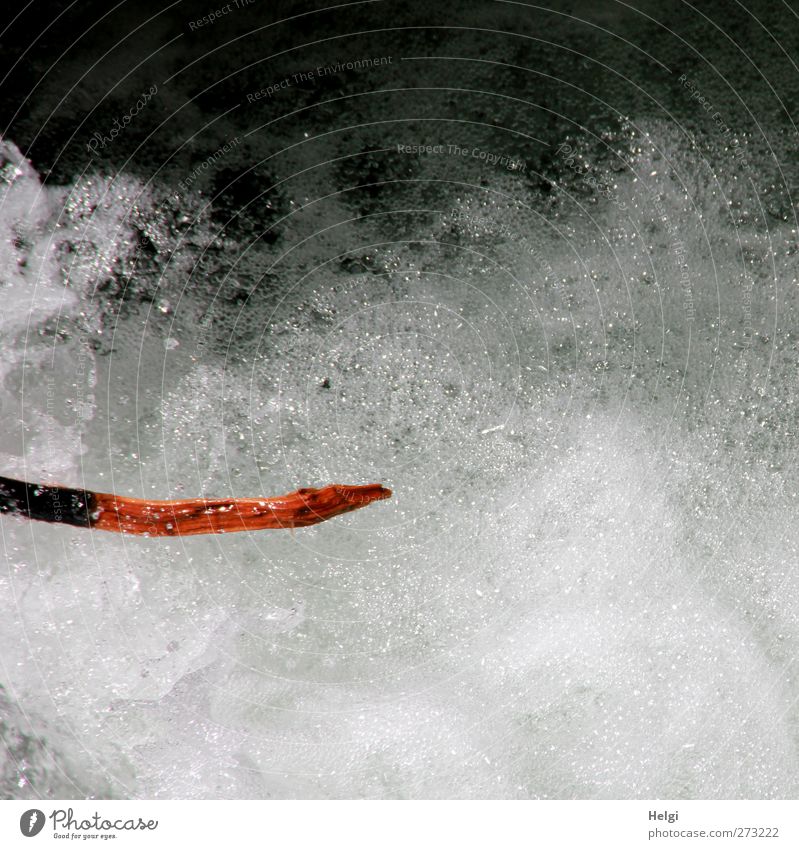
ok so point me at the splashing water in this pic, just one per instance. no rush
(584, 584)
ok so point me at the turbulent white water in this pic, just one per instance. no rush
(584, 585)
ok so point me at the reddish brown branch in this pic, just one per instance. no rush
(109, 512)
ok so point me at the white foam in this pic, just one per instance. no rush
(582, 586)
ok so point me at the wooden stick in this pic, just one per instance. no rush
(108, 512)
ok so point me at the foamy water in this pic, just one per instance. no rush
(585, 583)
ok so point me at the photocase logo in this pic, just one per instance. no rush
(31, 822)
(66, 825)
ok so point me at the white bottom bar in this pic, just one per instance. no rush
(403, 824)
